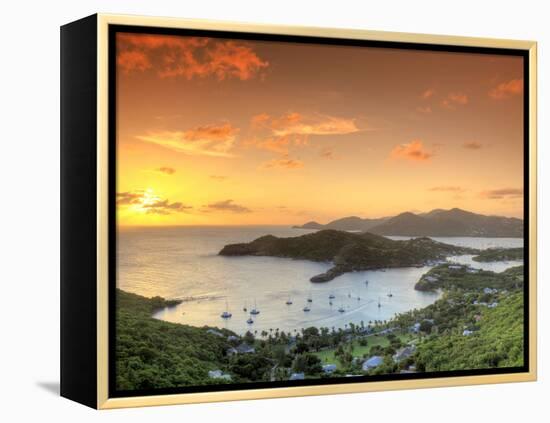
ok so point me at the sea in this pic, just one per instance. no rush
(183, 263)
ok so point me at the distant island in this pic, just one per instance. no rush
(348, 251)
(438, 222)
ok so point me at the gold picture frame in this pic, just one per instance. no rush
(101, 23)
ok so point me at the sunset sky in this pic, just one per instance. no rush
(215, 131)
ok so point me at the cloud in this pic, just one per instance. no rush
(283, 163)
(278, 134)
(166, 170)
(424, 109)
(130, 61)
(127, 198)
(219, 178)
(275, 144)
(503, 193)
(472, 145)
(413, 151)
(209, 140)
(165, 207)
(447, 188)
(227, 205)
(327, 153)
(188, 57)
(428, 93)
(298, 124)
(454, 99)
(146, 201)
(507, 89)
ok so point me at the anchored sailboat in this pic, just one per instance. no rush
(255, 310)
(226, 314)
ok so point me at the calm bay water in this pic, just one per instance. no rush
(182, 262)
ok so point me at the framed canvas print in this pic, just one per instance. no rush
(258, 211)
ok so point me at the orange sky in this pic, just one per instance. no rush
(216, 131)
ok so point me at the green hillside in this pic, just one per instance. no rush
(155, 354)
(496, 341)
(348, 251)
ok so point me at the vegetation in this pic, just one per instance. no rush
(476, 324)
(452, 276)
(348, 251)
(152, 353)
(496, 339)
(499, 254)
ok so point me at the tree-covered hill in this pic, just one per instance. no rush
(151, 353)
(496, 340)
(348, 251)
(452, 276)
(499, 254)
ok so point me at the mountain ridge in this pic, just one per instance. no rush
(437, 222)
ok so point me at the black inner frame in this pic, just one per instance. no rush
(112, 168)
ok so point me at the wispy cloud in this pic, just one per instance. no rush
(503, 193)
(210, 140)
(127, 198)
(507, 89)
(413, 151)
(165, 207)
(219, 178)
(227, 206)
(454, 99)
(299, 124)
(147, 202)
(283, 163)
(447, 188)
(428, 93)
(328, 153)
(187, 57)
(424, 109)
(472, 145)
(166, 170)
(279, 134)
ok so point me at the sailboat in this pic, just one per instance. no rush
(331, 297)
(226, 314)
(379, 305)
(306, 308)
(250, 321)
(390, 294)
(366, 282)
(341, 309)
(254, 311)
(309, 299)
(289, 301)
(245, 308)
